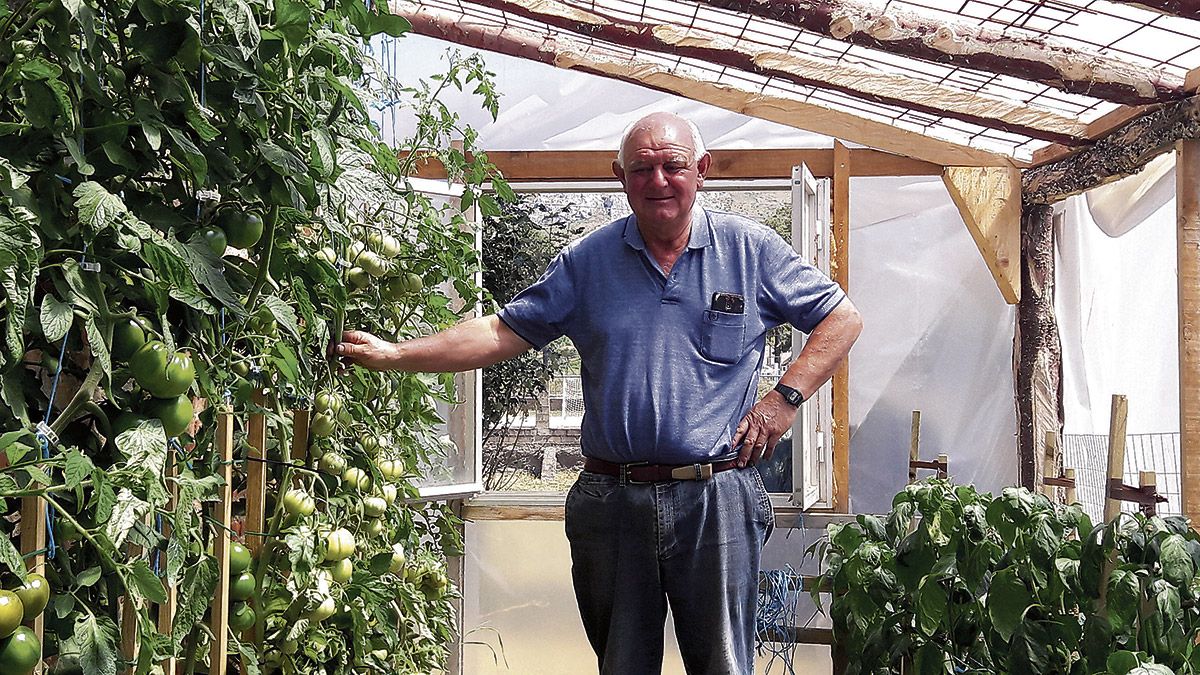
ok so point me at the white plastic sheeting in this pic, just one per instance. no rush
(1117, 302)
(937, 338)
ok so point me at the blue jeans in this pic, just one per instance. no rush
(692, 544)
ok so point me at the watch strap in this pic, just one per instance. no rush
(791, 395)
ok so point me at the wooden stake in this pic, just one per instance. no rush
(943, 470)
(166, 610)
(1187, 205)
(1050, 465)
(33, 538)
(1069, 474)
(1116, 451)
(914, 445)
(224, 514)
(300, 420)
(256, 476)
(839, 269)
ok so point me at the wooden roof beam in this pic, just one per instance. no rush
(524, 166)
(1186, 9)
(909, 34)
(1122, 153)
(863, 83)
(798, 114)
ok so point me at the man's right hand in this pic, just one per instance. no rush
(363, 349)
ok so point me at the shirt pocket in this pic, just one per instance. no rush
(722, 336)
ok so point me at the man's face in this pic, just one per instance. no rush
(660, 177)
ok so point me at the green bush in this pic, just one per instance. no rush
(958, 581)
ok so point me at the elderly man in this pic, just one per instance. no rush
(669, 309)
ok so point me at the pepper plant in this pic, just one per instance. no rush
(193, 203)
(953, 580)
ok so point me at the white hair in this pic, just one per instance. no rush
(697, 139)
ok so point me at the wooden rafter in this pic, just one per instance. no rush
(1187, 9)
(910, 34)
(863, 83)
(522, 166)
(1122, 153)
(801, 115)
(1096, 129)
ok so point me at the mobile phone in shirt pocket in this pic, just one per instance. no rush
(722, 336)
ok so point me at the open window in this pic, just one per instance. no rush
(812, 433)
(456, 472)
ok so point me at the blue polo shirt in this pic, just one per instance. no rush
(666, 379)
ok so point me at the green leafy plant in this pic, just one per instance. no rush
(957, 581)
(137, 137)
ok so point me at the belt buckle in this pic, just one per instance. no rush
(692, 472)
(625, 478)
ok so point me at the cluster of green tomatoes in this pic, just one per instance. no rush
(20, 650)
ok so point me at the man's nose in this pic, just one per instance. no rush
(659, 176)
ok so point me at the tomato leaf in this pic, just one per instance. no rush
(146, 582)
(128, 510)
(78, 468)
(56, 318)
(1176, 560)
(11, 557)
(97, 207)
(97, 639)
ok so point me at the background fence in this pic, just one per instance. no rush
(1088, 455)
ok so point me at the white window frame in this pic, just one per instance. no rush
(466, 417)
(812, 433)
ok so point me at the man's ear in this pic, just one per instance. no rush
(618, 171)
(703, 165)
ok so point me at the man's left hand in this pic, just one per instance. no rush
(762, 427)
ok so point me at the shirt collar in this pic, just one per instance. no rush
(699, 237)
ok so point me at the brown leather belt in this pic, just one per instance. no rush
(655, 473)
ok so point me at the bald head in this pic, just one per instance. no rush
(658, 121)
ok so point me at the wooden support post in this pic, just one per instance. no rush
(224, 513)
(1070, 475)
(33, 538)
(839, 268)
(166, 610)
(1050, 465)
(1148, 482)
(943, 470)
(256, 475)
(1187, 205)
(1038, 351)
(914, 446)
(300, 420)
(1116, 451)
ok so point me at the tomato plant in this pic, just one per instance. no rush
(957, 579)
(134, 135)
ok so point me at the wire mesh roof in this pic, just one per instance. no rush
(1123, 31)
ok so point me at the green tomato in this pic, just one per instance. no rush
(369, 443)
(328, 255)
(358, 278)
(12, 613)
(20, 652)
(242, 586)
(398, 559)
(389, 493)
(322, 425)
(375, 527)
(395, 289)
(413, 283)
(299, 503)
(373, 264)
(242, 229)
(214, 238)
(328, 402)
(239, 559)
(342, 570)
(174, 413)
(34, 595)
(333, 462)
(241, 617)
(339, 545)
(161, 373)
(357, 478)
(323, 611)
(391, 469)
(374, 507)
(128, 337)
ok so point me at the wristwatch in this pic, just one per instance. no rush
(792, 396)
